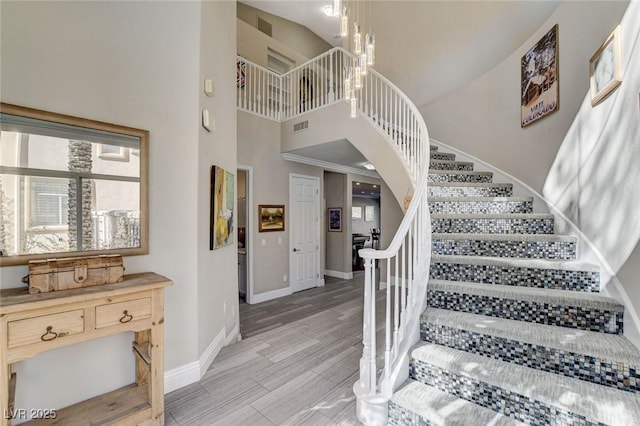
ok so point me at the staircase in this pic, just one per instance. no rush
(515, 329)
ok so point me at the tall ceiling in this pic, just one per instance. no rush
(429, 48)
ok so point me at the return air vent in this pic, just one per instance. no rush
(298, 127)
(264, 26)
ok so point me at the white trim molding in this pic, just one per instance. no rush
(212, 351)
(270, 295)
(338, 274)
(332, 167)
(233, 336)
(182, 376)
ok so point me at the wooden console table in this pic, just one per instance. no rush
(34, 323)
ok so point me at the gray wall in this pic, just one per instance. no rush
(138, 64)
(259, 146)
(335, 188)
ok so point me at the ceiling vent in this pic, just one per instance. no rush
(264, 26)
(298, 127)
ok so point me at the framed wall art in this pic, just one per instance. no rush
(335, 219)
(605, 68)
(222, 203)
(539, 84)
(271, 217)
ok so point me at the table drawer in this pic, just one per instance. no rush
(45, 328)
(123, 312)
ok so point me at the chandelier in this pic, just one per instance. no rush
(354, 15)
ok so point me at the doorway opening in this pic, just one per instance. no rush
(244, 233)
(365, 220)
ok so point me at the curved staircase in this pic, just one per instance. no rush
(515, 329)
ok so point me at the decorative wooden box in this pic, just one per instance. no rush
(74, 272)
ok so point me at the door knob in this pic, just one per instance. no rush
(295, 249)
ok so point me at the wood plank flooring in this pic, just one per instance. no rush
(296, 364)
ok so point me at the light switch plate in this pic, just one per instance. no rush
(209, 87)
(208, 122)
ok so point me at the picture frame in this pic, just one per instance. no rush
(605, 68)
(271, 217)
(335, 219)
(356, 212)
(369, 213)
(539, 79)
(222, 206)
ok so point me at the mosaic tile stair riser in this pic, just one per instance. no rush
(515, 325)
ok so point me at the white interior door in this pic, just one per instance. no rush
(304, 234)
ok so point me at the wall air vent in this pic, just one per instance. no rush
(298, 127)
(264, 26)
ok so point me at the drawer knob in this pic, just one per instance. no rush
(126, 317)
(49, 335)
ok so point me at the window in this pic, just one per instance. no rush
(69, 185)
(356, 212)
(49, 202)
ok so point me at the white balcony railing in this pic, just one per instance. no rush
(319, 83)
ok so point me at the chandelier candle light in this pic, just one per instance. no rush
(362, 46)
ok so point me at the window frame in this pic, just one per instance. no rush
(91, 125)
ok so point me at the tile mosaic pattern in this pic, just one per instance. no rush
(399, 416)
(470, 191)
(460, 177)
(588, 281)
(492, 226)
(433, 148)
(505, 248)
(442, 165)
(604, 372)
(442, 156)
(592, 319)
(486, 207)
(503, 401)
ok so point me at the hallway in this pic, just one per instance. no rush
(296, 364)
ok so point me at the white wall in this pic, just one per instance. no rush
(259, 146)
(483, 118)
(136, 64)
(583, 159)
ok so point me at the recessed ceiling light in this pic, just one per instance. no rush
(369, 166)
(375, 186)
(373, 193)
(357, 183)
(363, 192)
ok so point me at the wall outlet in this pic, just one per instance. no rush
(279, 240)
(224, 306)
(284, 278)
(263, 241)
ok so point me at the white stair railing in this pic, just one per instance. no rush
(319, 83)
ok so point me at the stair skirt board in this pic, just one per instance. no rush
(514, 330)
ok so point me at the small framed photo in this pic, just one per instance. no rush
(271, 218)
(335, 219)
(605, 68)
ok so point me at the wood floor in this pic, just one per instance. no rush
(296, 364)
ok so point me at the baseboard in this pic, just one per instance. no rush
(182, 376)
(233, 335)
(338, 274)
(209, 354)
(320, 282)
(192, 372)
(270, 295)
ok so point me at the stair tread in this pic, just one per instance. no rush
(532, 294)
(559, 264)
(479, 199)
(612, 347)
(506, 237)
(597, 403)
(491, 216)
(441, 408)
(451, 161)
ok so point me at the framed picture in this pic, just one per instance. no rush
(605, 69)
(222, 203)
(271, 218)
(335, 219)
(539, 84)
